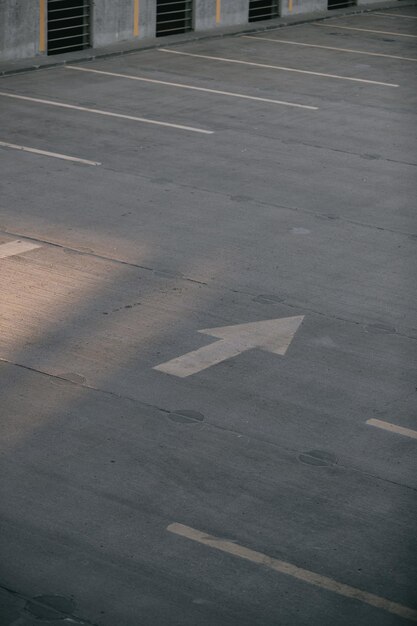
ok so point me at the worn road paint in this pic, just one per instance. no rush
(192, 87)
(312, 45)
(12, 248)
(55, 155)
(283, 567)
(365, 30)
(108, 113)
(393, 428)
(271, 336)
(408, 17)
(278, 67)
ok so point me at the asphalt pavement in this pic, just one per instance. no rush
(208, 332)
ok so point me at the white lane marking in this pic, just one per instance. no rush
(311, 45)
(108, 113)
(410, 17)
(283, 567)
(278, 67)
(56, 155)
(393, 428)
(365, 30)
(16, 247)
(182, 86)
(271, 335)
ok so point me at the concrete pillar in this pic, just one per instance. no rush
(111, 21)
(295, 7)
(234, 12)
(19, 29)
(210, 14)
(147, 18)
(123, 20)
(205, 14)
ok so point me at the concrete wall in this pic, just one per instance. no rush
(19, 29)
(147, 18)
(302, 6)
(232, 13)
(204, 14)
(113, 20)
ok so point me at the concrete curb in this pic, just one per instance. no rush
(91, 54)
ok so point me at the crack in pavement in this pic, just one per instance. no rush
(267, 203)
(213, 285)
(69, 618)
(207, 423)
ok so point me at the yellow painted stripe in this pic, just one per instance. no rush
(218, 11)
(290, 7)
(136, 18)
(42, 20)
(305, 575)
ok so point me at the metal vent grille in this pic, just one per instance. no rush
(68, 25)
(340, 4)
(263, 10)
(173, 17)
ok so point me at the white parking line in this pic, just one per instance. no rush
(409, 17)
(283, 567)
(393, 428)
(16, 247)
(56, 155)
(183, 86)
(311, 45)
(365, 30)
(108, 113)
(277, 67)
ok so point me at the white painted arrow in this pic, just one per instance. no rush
(269, 335)
(12, 248)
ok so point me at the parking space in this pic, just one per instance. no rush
(208, 330)
(360, 54)
(374, 24)
(254, 56)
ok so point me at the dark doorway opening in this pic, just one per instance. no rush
(263, 10)
(173, 17)
(340, 4)
(68, 25)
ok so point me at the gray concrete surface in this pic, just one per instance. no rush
(281, 212)
(298, 7)
(19, 29)
(112, 21)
